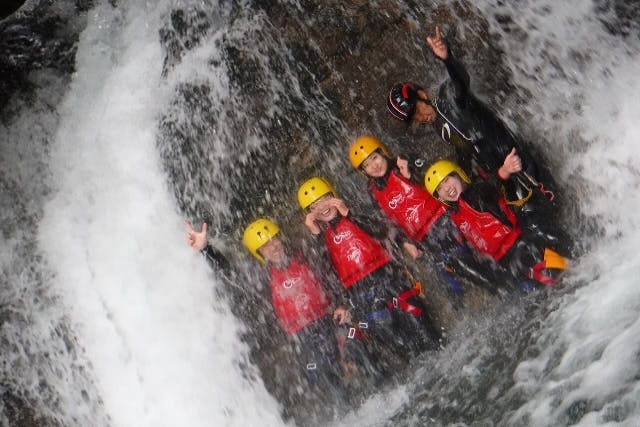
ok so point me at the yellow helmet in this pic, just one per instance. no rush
(364, 147)
(259, 233)
(439, 171)
(313, 189)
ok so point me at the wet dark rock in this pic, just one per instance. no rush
(182, 33)
(9, 6)
(576, 411)
(40, 38)
(307, 81)
(343, 58)
(20, 412)
(619, 17)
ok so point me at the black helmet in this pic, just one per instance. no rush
(401, 102)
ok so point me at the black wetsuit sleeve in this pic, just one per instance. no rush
(323, 267)
(216, 260)
(375, 227)
(384, 230)
(397, 235)
(318, 258)
(484, 196)
(460, 79)
(417, 168)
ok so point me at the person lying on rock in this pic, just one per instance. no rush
(300, 301)
(480, 138)
(423, 219)
(480, 211)
(384, 304)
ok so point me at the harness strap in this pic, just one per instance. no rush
(550, 194)
(401, 302)
(419, 288)
(518, 202)
(537, 274)
(417, 285)
(356, 332)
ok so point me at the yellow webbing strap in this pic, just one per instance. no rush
(520, 202)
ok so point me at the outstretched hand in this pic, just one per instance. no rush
(403, 166)
(438, 45)
(342, 316)
(412, 250)
(197, 239)
(512, 164)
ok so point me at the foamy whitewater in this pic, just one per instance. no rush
(591, 340)
(161, 348)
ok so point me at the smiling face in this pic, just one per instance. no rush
(450, 188)
(273, 251)
(375, 165)
(324, 209)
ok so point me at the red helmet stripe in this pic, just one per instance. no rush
(405, 89)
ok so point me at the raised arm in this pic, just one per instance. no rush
(438, 45)
(457, 73)
(512, 164)
(198, 240)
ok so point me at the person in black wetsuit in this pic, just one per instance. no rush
(480, 138)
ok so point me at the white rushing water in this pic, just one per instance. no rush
(164, 351)
(591, 341)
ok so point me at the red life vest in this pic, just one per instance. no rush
(409, 205)
(297, 295)
(485, 231)
(354, 253)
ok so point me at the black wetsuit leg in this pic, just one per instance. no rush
(319, 355)
(371, 315)
(403, 332)
(459, 265)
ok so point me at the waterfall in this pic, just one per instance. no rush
(213, 110)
